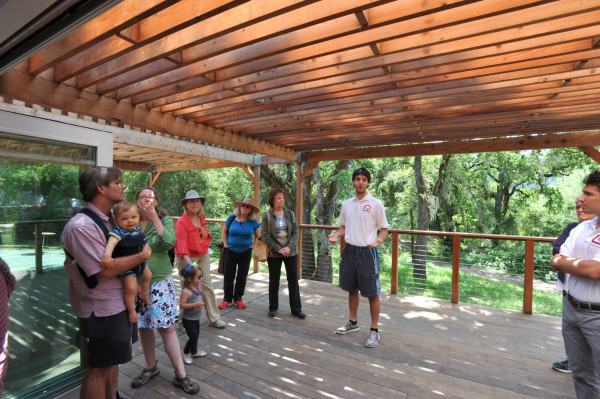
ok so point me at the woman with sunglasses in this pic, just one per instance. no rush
(161, 314)
(239, 232)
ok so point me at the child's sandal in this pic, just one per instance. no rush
(186, 384)
(143, 378)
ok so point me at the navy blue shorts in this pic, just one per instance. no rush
(359, 270)
(109, 339)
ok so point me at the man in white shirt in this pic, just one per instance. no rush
(361, 217)
(579, 257)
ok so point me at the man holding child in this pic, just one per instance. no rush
(96, 295)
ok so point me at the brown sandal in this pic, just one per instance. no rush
(186, 384)
(143, 378)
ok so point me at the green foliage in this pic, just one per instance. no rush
(221, 187)
(42, 190)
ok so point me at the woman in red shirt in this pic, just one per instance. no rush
(192, 246)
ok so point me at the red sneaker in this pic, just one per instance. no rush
(224, 304)
(240, 304)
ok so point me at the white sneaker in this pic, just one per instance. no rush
(219, 324)
(373, 339)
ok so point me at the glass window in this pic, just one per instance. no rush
(39, 192)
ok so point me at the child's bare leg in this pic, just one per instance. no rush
(130, 284)
(145, 286)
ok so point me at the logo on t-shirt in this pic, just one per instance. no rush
(596, 240)
(367, 208)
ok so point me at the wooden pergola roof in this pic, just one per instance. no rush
(330, 79)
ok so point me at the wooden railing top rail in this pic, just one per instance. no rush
(447, 233)
(325, 227)
(41, 221)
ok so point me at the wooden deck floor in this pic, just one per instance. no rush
(429, 349)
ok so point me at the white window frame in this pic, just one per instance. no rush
(29, 122)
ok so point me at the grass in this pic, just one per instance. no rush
(475, 289)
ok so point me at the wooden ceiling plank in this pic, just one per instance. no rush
(109, 23)
(240, 81)
(329, 12)
(326, 84)
(464, 84)
(225, 60)
(389, 32)
(542, 98)
(530, 43)
(252, 106)
(106, 49)
(212, 27)
(496, 119)
(190, 106)
(383, 105)
(305, 112)
(149, 30)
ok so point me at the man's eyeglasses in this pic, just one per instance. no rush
(199, 277)
(144, 198)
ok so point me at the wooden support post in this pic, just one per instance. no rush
(528, 282)
(395, 241)
(253, 175)
(455, 267)
(300, 177)
(299, 180)
(256, 181)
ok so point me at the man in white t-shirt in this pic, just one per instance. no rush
(579, 258)
(361, 217)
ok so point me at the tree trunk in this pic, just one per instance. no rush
(324, 203)
(309, 265)
(425, 212)
(420, 248)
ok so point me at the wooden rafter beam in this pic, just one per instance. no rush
(18, 84)
(591, 152)
(154, 177)
(140, 167)
(181, 146)
(248, 172)
(195, 166)
(577, 139)
(309, 169)
(109, 23)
